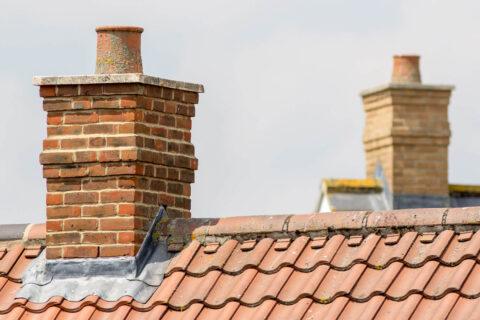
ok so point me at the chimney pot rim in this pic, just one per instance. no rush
(407, 56)
(119, 29)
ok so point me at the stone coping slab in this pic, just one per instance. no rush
(117, 78)
(407, 86)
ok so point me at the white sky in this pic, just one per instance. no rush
(281, 108)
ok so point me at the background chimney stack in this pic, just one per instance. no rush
(118, 146)
(407, 134)
(406, 69)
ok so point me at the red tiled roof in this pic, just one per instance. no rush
(419, 264)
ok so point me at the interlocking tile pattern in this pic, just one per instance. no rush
(423, 266)
(412, 278)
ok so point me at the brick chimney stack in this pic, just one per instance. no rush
(407, 134)
(118, 146)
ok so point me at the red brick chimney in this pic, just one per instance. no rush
(118, 146)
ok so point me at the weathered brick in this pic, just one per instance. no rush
(120, 223)
(159, 132)
(47, 91)
(99, 128)
(129, 155)
(128, 102)
(118, 250)
(123, 88)
(54, 118)
(54, 185)
(67, 90)
(50, 144)
(166, 199)
(74, 171)
(97, 142)
(126, 209)
(90, 90)
(85, 156)
(118, 196)
(54, 252)
(56, 157)
(186, 110)
(99, 184)
(63, 212)
(99, 237)
(158, 185)
(106, 103)
(131, 141)
(57, 105)
(75, 143)
(159, 105)
(54, 199)
(81, 104)
(109, 156)
(54, 225)
(103, 210)
(64, 130)
(190, 97)
(122, 115)
(63, 238)
(166, 120)
(128, 127)
(128, 237)
(150, 198)
(81, 197)
(51, 172)
(184, 123)
(80, 224)
(81, 117)
(83, 251)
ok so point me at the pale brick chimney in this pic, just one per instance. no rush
(118, 146)
(407, 135)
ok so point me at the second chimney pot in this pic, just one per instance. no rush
(406, 69)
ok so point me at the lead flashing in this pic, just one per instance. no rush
(108, 278)
(406, 86)
(117, 78)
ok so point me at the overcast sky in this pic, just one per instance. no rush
(281, 108)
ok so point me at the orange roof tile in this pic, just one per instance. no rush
(413, 264)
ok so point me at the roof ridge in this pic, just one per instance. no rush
(348, 223)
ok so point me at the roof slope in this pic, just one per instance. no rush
(420, 264)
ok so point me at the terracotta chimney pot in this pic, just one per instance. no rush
(406, 69)
(118, 50)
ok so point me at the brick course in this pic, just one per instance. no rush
(113, 154)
